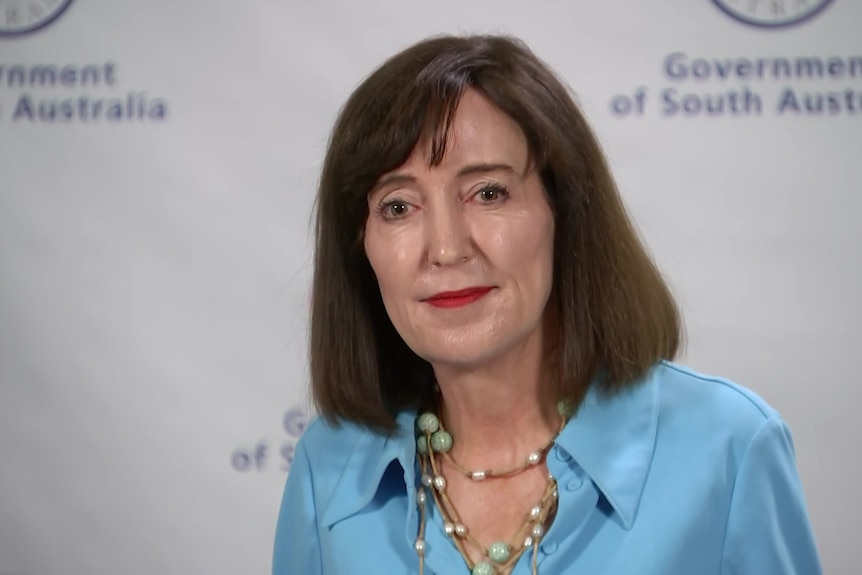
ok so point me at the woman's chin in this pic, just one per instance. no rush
(462, 356)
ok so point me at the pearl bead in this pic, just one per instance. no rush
(528, 541)
(421, 497)
(419, 546)
(428, 423)
(441, 441)
(460, 530)
(440, 483)
(535, 512)
(449, 528)
(426, 480)
(498, 552)
(538, 530)
(482, 568)
(422, 445)
(478, 475)
(534, 458)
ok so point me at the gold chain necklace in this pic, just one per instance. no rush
(501, 556)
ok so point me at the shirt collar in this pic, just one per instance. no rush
(612, 438)
(370, 457)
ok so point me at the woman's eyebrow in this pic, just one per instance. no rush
(483, 168)
(480, 168)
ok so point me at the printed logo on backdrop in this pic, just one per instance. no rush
(772, 13)
(19, 17)
(710, 87)
(267, 455)
(51, 93)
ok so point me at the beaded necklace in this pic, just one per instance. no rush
(434, 441)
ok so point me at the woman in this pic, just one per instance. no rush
(491, 353)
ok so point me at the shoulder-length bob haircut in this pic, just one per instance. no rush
(616, 316)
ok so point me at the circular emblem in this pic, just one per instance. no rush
(19, 17)
(771, 13)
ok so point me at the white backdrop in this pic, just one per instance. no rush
(155, 254)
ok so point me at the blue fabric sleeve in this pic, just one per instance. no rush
(768, 529)
(297, 546)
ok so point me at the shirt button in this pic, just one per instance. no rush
(562, 454)
(549, 548)
(574, 484)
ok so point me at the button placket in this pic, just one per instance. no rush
(570, 481)
(562, 454)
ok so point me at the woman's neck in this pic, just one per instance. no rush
(499, 413)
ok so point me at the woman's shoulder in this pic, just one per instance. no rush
(710, 403)
(720, 392)
(336, 438)
(330, 446)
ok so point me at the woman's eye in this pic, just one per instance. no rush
(491, 194)
(394, 209)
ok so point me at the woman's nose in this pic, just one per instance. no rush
(448, 236)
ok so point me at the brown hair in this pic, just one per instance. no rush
(617, 317)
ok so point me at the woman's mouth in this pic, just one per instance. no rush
(460, 298)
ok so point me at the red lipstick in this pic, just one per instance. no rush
(460, 298)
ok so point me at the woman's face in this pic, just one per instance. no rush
(463, 252)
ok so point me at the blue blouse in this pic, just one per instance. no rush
(681, 474)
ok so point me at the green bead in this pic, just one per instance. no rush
(428, 422)
(483, 569)
(566, 408)
(422, 445)
(498, 552)
(441, 441)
